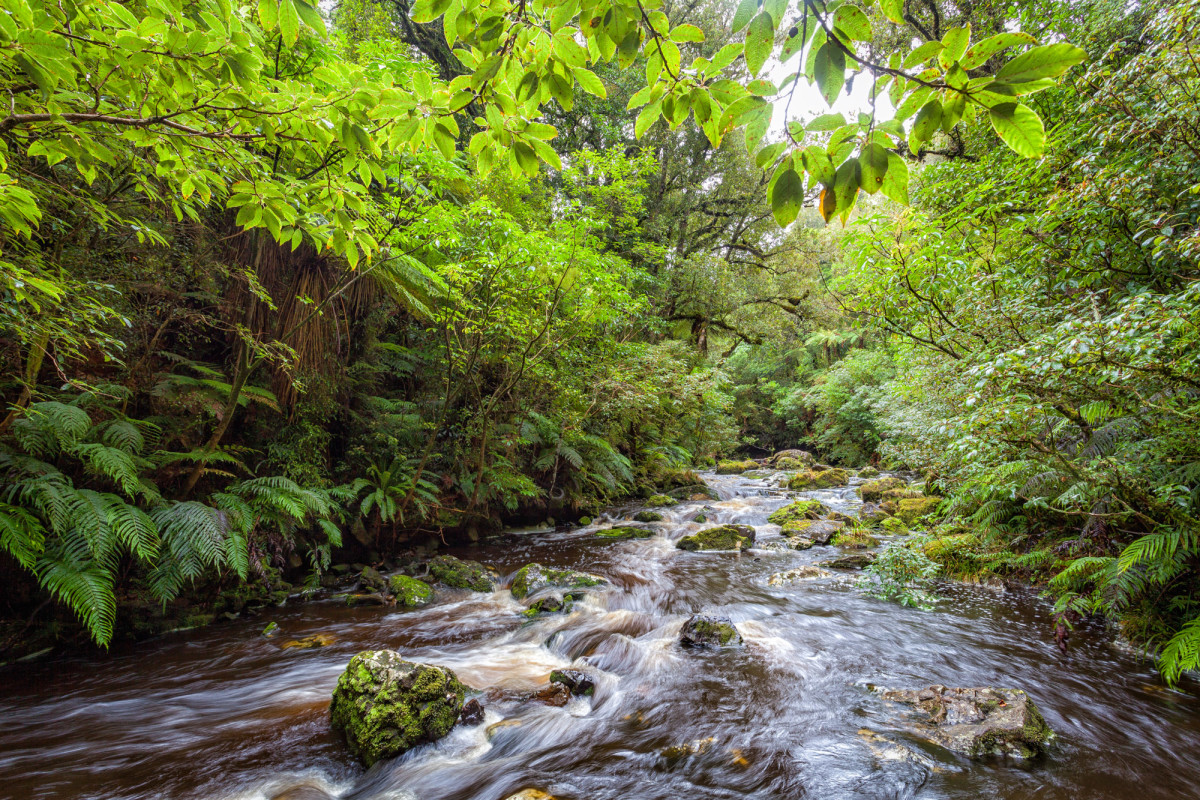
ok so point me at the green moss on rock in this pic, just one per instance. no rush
(801, 509)
(735, 467)
(384, 705)
(460, 574)
(624, 532)
(722, 537)
(410, 592)
(534, 577)
(661, 501)
(855, 539)
(912, 509)
(647, 516)
(872, 491)
(703, 630)
(825, 479)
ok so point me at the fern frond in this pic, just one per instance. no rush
(1181, 653)
(21, 535)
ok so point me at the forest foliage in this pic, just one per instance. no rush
(283, 282)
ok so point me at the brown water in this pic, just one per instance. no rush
(223, 713)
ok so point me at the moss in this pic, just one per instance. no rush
(735, 467)
(825, 479)
(461, 574)
(789, 463)
(706, 631)
(384, 705)
(801, 509)
(913, 508)
(661, 501)
(868, 472)
(410, 592)
(1031, 741)
(585, 520)
(624, 532)
(723, 537)
(648, 516)
(797, 525)
(534, 577)
(894, 526)
(855, 539)
(872, 491)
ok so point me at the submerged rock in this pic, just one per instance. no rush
(704, 630)
(551, 603)
(851, 561)
(460, 574)
(555, 694)
(384, 705)
(472, 713)
(805, 573)
(825, 479)
(410, 592)
(532, 578)
(530, 794)
(722, 537)
(647, 516)
(625, 532)
(309, 642)
(872, 491)
(979, 722)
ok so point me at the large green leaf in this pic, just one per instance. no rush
(893, 10)
(830, 71)
(759, 39)
(745, 12)
(1048, 61)
(853, 22)
(980, 52)
(895, 182)
(928, 120)
(874, 164)
(1020, 128)
(955, 40)
(787, 195)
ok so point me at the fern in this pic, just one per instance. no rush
(1181, 653)
(21, 535)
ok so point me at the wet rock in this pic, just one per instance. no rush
(803, 456)
(370, 578)
(696, 747)
(722, 537)
(585, 521)
(850, 561)
(579, 683)
(661, 501)
(384, 705)
(691, 492)
(555, 694)
(855, 539)
(979, 722)
(533, 578)
(801, 509)
(375, 599)
(460, 574)
(799, 542)
(735, 467)
(309, 642)
(868, 472)
(704, 630)
(775, 546)
(872, 491)
(700, 518)
(804, 573)
(894, 526)
(912, 509)
(271, 629)
(625, 532)
(410, 592)
(472, 713)
(648, 516)
(530, 794)
(824, 479)
(871, 514)
(789, 464)
(820, 531)
(552, 602)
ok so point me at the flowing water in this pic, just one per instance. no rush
(225, 713)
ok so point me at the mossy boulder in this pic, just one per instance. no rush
(585, 521)
(459, 574)
(868, 472)
(850, 561)
(648, 516)
(799, 542)
(691, 492)
(820, 531)
(701, 517)
(624, 532)
(384, 705)
(550, 603)
(912, 509)
(803, 457)
(704, 630)
(677, 479)
(722, 537)
(801, 509)
(532, 578)
(825, 479)
(371, 580)
(578, 683)
(871, 515)
(855, 539)
(661, 501)
(410, 592)
(872, 491)
(789, 464)
(735, 467)
(894, 526)
(979, 722)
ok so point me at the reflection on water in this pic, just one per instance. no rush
(224, 713)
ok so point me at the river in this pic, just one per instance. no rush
(223, 713)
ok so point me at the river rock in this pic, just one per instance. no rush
(690, 492)
(801, 509)
(384, 705)
(661, 501)
(855, 539)
(551, 602)
(647, 516)
(824, 479)
(410, 592)
(370, 579)
(556, 694)
(979, 722)
(472, 713)
(460, 574)
(704, 630)
(804, 573)
(850, 561)
(532, 578)
(912, 509)
(868, 472)
(803, 456)
(530, 794)
(872, 491)
(625, 532)
(722, 537)
(799, 542)
(735, 467)
(579, 683)
(871, 514)
(819, 531)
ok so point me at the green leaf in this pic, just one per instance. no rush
(787, 195)
(768, 154)
(874, 164)
(546, 153)
(311, 16)
(826, 122)
(429, 10)
(645, 118)
(687, 33)
(759, 39)
(923, 53)
(268, 14)
(846, 184)
(956, 41)
(590, 83)
(1020, 128)
(928, 120)
(1048, 61)
(895, 182)
(830, 69)
(893, 10)
(853, 22)
(745, 12)
(817, 164)
(289, 22)
(980, 52)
